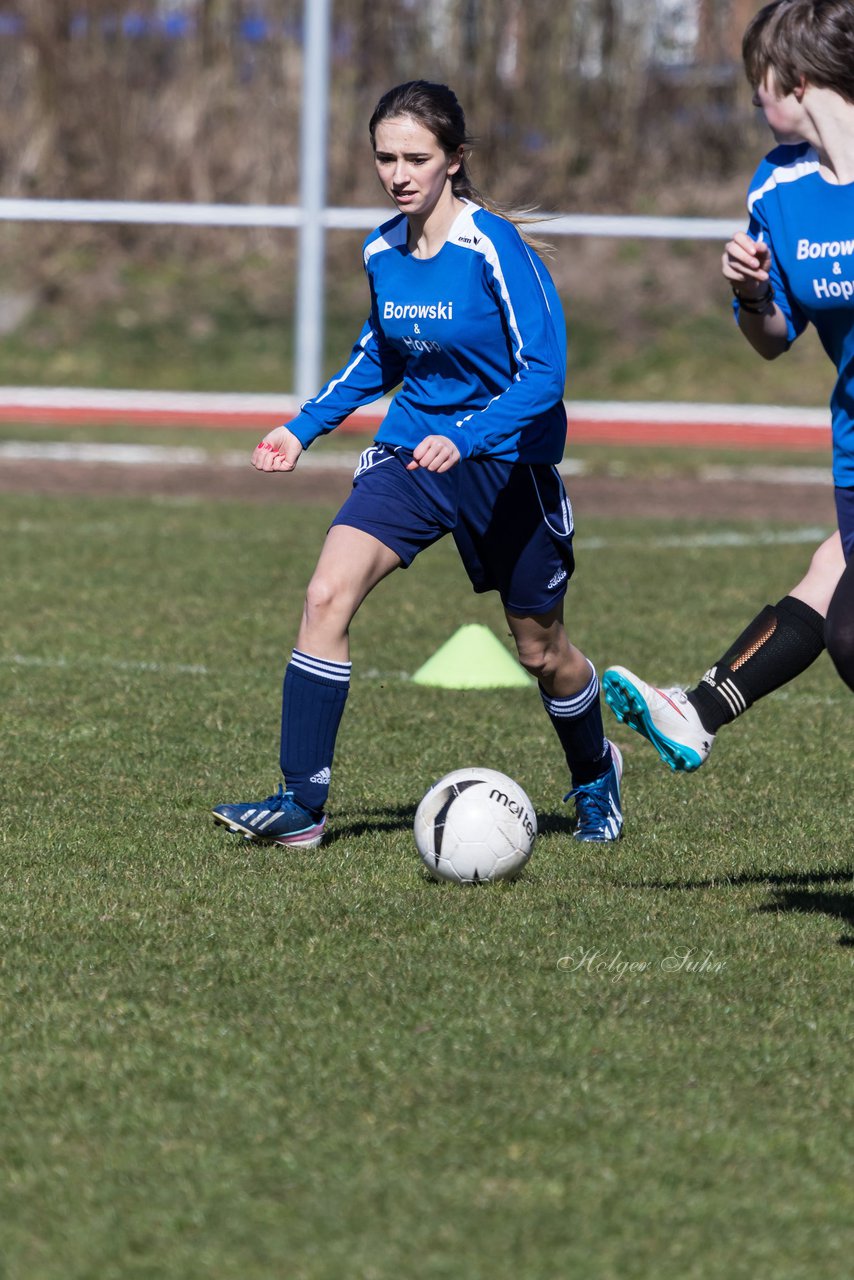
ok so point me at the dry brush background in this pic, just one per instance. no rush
(586, 105)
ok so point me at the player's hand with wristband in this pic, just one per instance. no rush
(746, 263)
(278, 451)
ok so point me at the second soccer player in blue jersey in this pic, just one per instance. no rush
(793, 266)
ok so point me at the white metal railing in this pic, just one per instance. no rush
(163, 213)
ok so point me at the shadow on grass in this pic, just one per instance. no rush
(562, 824)
(399, 819)
(403, 817)
(839, 906)
(796, 891)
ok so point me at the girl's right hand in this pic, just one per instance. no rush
(747, 262)
(278, 451)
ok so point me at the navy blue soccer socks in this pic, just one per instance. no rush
(314, 695)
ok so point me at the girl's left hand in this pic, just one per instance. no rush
(436, 453)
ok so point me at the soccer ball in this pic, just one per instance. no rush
(475, 825)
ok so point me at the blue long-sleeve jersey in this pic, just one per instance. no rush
(808, 223)
(474, 336)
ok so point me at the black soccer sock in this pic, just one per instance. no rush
(781, 642)
(839, 627)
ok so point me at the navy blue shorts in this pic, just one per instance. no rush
(511, 522)
(845, 517)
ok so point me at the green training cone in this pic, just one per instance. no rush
(473, 658)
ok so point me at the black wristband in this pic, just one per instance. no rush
(755, 306)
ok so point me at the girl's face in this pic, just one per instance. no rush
(414, 170)
(784, 113)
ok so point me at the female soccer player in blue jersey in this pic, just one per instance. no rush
(466, 320)
(793, 266)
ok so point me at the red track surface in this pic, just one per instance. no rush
(623, 428)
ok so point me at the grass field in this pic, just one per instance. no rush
(227, 1062)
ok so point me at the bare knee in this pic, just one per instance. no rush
(545, 651)
(817, 586)
(327, 611)
(555, 663)
(540, 658)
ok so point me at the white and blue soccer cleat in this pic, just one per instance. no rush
(598, 811)
(279, 819)
(665, 717)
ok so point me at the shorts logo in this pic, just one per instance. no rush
(372, 457)
(556, 580)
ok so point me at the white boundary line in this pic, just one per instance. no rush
(811, 535)
(770, 415)
(369, 673)
(249, 402)
(155, 455)
(274, 406)
(113, 664)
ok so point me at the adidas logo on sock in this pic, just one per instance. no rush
(322, 777)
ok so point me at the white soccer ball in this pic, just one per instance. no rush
(475, 825)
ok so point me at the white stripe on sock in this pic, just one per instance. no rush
(337, 671)
(733, 697)
(571, 708)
